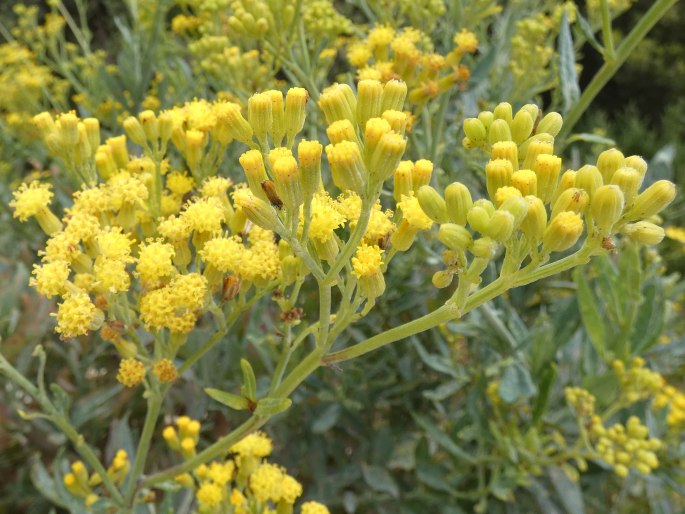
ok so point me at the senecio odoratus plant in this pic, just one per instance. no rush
(159, 240)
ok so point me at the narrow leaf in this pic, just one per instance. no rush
(441, 438)
(589, 312)
(230, 400)
(249, 380)
(270, 406)
(568, 78)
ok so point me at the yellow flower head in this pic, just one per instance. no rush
(314, 508)
(326, 217)
(111, 275)
(49, 278)
(31, 199)
(367, 261)
(76, 315)
(165, 371)
(224, 253)
(466, 41)
(131, 372)
(115, 245)
(179, 183)
(209, 494)
(204, 215)
(93, 200)
(215, 186)
(257, 444)
(266, 483)
(155, 263)
(413, 214)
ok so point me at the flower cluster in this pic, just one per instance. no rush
(244, 482)
(637, 382)
(389, 54)
(84, 485)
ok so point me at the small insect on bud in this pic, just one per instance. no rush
(563, 232)
(608, 162)
(606, 207)
(498, 174)
(432, 204)
(652, 200)
(269, 189)
(455, 237)
(644, 232)
(550, 124)
(458, 201)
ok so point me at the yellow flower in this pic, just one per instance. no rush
(49, 278)
(131, 372)
(314, 508)
(155, 264)
(204, 215)
(165, 371)
(326, 217)
(76, 315)
(209, 494)
(367, 261)
(257, 444)
(31, 199)
(413, 214)
(676, 233)
(266, 482)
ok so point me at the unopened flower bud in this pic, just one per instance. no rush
(119, 151)
(479, 219)
(535, 148)
(534, 224)
(195, 143)
(475, 130)
(432, 204)
(517, 207)
(563, 232)
(386, 156)
(498, 174)
(506, 150)
(402, 184)
(521, 127)
(458, 201)
(637, 163)
(288, 183)
(442, 278)
(277, 131)
(486, 118)
(309, 155)
(455, 237)
(525, 181)
(500, 226)
(92, 126)
(550, 124)
(499, 131)
(573, 200)
(374, 131)
(629, 180)
(295, 107)
(135, 131)
(68, 129)
(589, 179)
(504, 112)
(568, 180)
(644, 232)
(606, 207)
(397, 120)
(484, 248)
(150, 125)
(394, 94)
(608, 162)
(421, 174)
(338, 103)
(547, 168)
(252, 163)
(369, 100)
(347, 166)
(260, 213)
(341, 130)
(652, 200)
(532, 109)
(259, 114)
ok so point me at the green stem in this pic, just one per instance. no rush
(154, 405)
(609, 69)
(607, 36)
(352, 243)
(217, 449)
(63, 423)
(440, 126)
(324, 314)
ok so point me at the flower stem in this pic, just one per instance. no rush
(610, 67)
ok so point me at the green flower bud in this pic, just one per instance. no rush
(442, 279)
(421, 174)
(535, 222)
(252, 163)
(261, 213)
(503, 111)
(521, 127)
(499, 131)
(637, 163)
(394, 94)
(259, 114)
(295, 111)
(338, 103)
(369, 100)
(629, 180)
(288, 183)
(458, 200)
(551, 124)
(402, 184)
(538, 138)
(484, 248)
(573, 200)
(568, 180)
(589, 179)
(479, 219)
(347, 166)
(644, 232)
(506, 150)
(485, 204)
(533, 110)
(562, 232)
(397, 120)
(309, 155)
(455, 237)
(92, 126)
(606, 207)
(518, 207)
(386, 156)
(534, 149)
(547, 168)
(652, 200)
(608, 162)
(498, 174)
(432, 204)
(501, 226)
(341, 130)
(486, 118)
(134, 131)
(277, 130)
(475, 130)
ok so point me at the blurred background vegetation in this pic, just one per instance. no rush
(450, 421)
